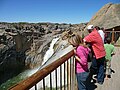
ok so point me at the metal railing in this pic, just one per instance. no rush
(59, 75)
(113, 34)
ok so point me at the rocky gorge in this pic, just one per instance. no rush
(23, 45)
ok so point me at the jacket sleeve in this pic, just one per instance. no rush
(88, 38)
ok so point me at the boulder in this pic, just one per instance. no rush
(107, 17)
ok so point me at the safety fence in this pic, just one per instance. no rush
(59, 75)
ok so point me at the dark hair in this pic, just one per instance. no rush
(108, 40)
(98, 28)
(102, 28)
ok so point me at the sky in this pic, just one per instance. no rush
(55, 11)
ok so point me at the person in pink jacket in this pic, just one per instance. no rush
(81, 65)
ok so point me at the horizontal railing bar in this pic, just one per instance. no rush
(117, 45)
(38, 76)
(112, 31)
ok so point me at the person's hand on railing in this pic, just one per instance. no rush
(74, 51)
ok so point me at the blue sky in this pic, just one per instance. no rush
(57, 11)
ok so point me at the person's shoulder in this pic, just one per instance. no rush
(112, 45)
(93, 33)
(109, 45)
(101, 31)
(106, 45)
(81, 47)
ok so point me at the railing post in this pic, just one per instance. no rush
(60, 77)
(64, 78)
(56, 77)
(73, 80)
(35, 86)
(68, 76)
(113, 35)
(50, 81)
(70, 72)
(43, 83)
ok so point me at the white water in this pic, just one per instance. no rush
(50, 51)
(48, 54)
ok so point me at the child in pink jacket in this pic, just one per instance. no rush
(81, 56)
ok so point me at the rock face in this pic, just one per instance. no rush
(11, 63)
(39, 35)
(108, 16)
(34, 57)
(23, 45)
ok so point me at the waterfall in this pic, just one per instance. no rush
(47, 55)
(50, 51)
